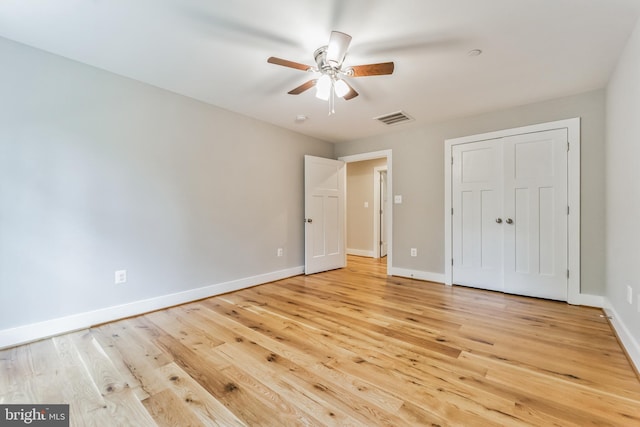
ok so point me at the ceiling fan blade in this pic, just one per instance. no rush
(303, 87)
(371, 69)
(337, 48)
(287, 63)
(351, 94)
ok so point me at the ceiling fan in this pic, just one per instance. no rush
(329, 63)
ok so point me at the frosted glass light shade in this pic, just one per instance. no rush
(323, 87)
(341, 88)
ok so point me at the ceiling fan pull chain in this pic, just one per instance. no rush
(332, 100)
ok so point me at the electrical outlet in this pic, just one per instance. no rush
(280, 252)
(120, 277)
(629, 294)
(366, 204)
(414, 252)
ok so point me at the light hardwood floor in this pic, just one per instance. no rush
(346, 347)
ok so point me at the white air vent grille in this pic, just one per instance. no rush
(394, 118)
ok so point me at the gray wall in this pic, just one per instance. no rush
(360, 189)
(418, 175)
(100, 173)
(623, 188)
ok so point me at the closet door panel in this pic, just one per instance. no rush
(535, 200)
(477, 203)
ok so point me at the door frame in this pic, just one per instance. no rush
(573, 186)
(382, 154)
(376, 209)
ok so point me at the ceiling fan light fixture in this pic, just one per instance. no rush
(323, 87)
(337, 48)
(341, 88)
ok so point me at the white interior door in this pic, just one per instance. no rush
(325, 215)
(535, 228)
(383, 220)
(477, 210)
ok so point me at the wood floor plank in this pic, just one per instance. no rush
(138, 354)
(167, 410)
(87, 406)
(121, 402)
(345, 347)
(209, 410)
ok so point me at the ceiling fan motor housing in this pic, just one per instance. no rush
(324, 66)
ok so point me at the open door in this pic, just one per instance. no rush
(325, 214)
(383, 217)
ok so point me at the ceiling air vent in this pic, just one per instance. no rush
(394, 118)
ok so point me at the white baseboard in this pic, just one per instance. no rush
(630, 344)
(36, 331)
(361, 252)
(590, 300)
(417, 274)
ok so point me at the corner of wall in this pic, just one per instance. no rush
(622, 331)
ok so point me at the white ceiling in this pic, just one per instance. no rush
(216, 51)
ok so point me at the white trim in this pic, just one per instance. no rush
(361, 252)
(573, 179)
(590, 300)
(629, 343)
(417, 274)
(380, 155)
(36, 331)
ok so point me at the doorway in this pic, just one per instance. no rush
(387, 208)
(380, 191)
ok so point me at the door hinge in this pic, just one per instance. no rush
(568, 146)
(451, 211)
(451, 160)
(451, 261)
(568, 210)
(567, 274)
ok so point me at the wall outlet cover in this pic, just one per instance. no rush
(120, 277)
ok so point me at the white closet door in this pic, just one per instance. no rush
(477, 205)
(509, 198)
(535, 228)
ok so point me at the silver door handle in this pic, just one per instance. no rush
(499, 220)
(509, 221)
(308, 220)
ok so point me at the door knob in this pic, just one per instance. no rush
(308, 220)
(499, 220)
(509, 221)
